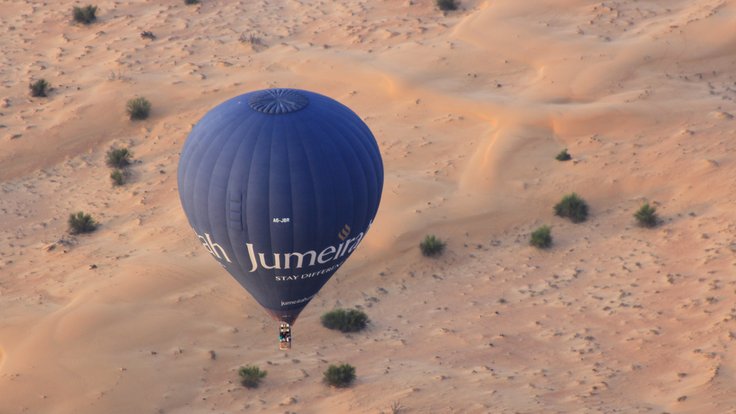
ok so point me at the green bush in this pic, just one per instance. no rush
(446, 5)
(119, 177)
(81, 222)
(118, 157)
(432, 246)
(646, 216)
(39, 88)
(351, 320)
(138, 108)
(188, 2)
(541, 237)
(572, 207)
(340, 376)
(84, 15)
(563, 156)
(251, 376)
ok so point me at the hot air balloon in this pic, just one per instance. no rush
(281, 186)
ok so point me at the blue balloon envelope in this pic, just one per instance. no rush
(281, 186)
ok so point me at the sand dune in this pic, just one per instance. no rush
(469, 109)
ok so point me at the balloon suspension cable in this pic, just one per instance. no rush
(284, 336)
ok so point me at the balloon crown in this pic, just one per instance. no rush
(278, 101)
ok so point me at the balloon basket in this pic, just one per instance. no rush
(284, 336)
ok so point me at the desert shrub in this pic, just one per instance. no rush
(339, 376)
(251, 39)
(84, 15)
(395, 407)
(446, 5)
(118, 176)
(188, 2)
(572, 207)
(138, 108)
(251, 376)
(118, 157)
(563, 156)
(541, 237)
(351, 320)
(39, 88)
(646, 216)
(80, 222)
(432, 246)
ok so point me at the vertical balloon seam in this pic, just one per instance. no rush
(273, 170)
(365, 152)
(226, 207)
(189, 149)
(191, 165)
(337, 139)
(241, 134)
(278, 171)
(247, 228)
(253, 194)
(217, 211)
(213, 202)
(202, 173)
(309, 173)
(335, 168)
(353, 146)
(373, 170)
(290, 129)
(368, 147)
(184, 170)
(356, 149)
(330, 131)
(368, 170)
(325, 147)
(373, 149)
(272, 287)
(191, 146)
(236, 244)
(319, 204)
(311, 177)
(294, 136)
(308, 146)
(201, 163)
(265, 153)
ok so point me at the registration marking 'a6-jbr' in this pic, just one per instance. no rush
(281, 220)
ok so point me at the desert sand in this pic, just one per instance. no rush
(469, 109)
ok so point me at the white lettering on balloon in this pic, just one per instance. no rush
(290, 260)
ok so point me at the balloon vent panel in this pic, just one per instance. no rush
(278, 101)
